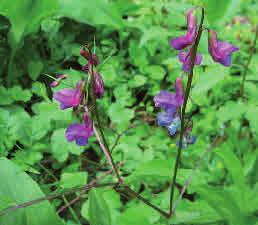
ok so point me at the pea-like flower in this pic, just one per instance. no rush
(220, 51)
(98, 85)
(188, 39)
(69, 97)
(92, 59)
(184, 58)
(80, 132)
(170, 103)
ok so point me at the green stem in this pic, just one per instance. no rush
(242, 87)
(52, 196)
(193, 53)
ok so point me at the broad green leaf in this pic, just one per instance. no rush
(98, 12)
(119, 115)
(251, 115)
(99, 213)
(16, 93)
(231, 110)
(194, 212)
(25, 16)
(233, 165)
(155, 72)
(137, 81)
(70, 180)
(224, 203)
(138, 215)
(18, 188)
(221, 11)
(39, 89)
(60, 147)
(34, 68)
(209, 79)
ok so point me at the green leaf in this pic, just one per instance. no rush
(119, 115)
(39, 89)
(60, 147)
(224, 203)
(209, 79)
(25, 16)
(231, 110)
(71, 180)
(251, 115)
(99, 213)
(155, 72)
(233, 165)
(16, 93)
(221, 11)
(137, 81)
(98, 12)
(18, 188)
(34, 68)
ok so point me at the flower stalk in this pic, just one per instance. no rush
(95, 114)
(193, 53)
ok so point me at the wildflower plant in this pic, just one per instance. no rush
(173, 105)
(139, 146)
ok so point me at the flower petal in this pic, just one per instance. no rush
(188, 39)
(220, 51)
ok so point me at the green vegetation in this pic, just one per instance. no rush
(217, 181)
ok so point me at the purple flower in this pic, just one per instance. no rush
(220, 51)
(166, 118)
(69, 97)
(174, 126)
(188, 39)
(168, 100)
(80, 132)
(99, 85)
(188, 139)
(184, 57)
(170, 103)
(92, 59)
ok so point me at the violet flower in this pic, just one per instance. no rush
(220, 51)
(91, 59)
(188, 39)
(69, 97)
(80, 132)
(170, 103)
(184, 57)
(98, 85)
(188, 139)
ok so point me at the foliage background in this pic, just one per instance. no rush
(132, 40)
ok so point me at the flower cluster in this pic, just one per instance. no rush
(75, 98)
(219, 51)
(171, 103)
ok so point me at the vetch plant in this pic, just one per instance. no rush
(173, 116)
(87, 93)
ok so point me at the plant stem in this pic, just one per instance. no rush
(145, 201)
(242, 87)
(52, 196)
(193, 53)
(96, 114)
